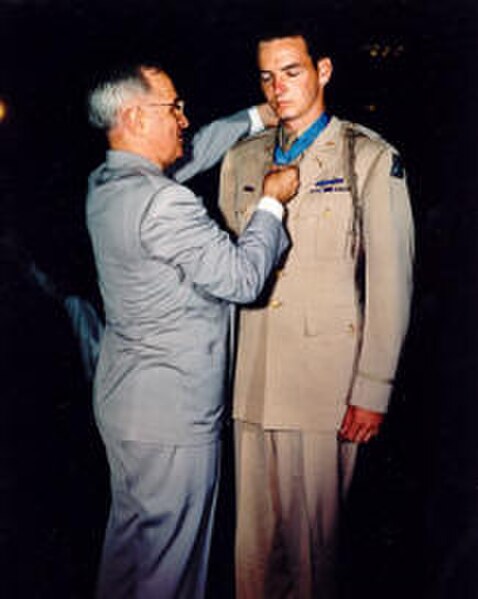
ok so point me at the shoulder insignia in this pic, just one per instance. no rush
(397, 169)
(362, 131)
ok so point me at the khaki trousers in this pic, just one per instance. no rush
(289, 485)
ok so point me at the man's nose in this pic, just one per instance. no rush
(279, 85)
(183, 120)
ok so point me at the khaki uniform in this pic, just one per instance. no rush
(310, 348)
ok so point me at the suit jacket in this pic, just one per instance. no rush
(167, 273)
(309, 347)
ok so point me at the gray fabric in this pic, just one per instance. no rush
(166, 273)
(157, 542)
(209, 145)
(88, 329)
(206, 148)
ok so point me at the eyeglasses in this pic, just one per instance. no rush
(177, 105)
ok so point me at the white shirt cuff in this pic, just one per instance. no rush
(270, 204)
(256, 122)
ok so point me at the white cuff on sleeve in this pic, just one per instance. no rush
(270, 204)
(256, 122)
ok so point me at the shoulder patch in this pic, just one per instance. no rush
(397, 169)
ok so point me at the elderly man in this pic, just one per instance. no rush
(317, 356)
(167, 273)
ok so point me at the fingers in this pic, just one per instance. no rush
(281, 183)
(358, 434)
(277, 168)
(360, 425)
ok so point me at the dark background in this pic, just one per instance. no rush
(404, 67)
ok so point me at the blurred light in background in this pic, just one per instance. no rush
(384, 51)
(3, 110)
(371, 107)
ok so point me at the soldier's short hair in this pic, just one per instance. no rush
(314, 33)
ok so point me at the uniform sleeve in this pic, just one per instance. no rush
(176, 229)
(210, 144)
(389, 251)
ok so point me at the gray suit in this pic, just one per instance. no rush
(167, 273)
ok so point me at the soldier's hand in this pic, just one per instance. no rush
(360, 425)
(282, 183)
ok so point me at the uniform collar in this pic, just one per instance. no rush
(329, 136)
(301, 143)
(326, 141)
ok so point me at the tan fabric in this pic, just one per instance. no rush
(309, 350)
(290, 485)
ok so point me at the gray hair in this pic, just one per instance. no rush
(113, 91)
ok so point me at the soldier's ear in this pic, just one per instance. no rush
(324, 69)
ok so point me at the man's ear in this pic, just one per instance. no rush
(324, 68)
(132, 118)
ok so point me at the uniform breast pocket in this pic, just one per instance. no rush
(322, 227)
(248, 194)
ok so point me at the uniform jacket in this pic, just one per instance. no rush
(167, 273)
(311, 346)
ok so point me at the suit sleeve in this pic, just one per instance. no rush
(177, 230)
(389, 250)
(210, 144)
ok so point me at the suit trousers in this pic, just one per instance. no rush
(158, 535)
(290, 485)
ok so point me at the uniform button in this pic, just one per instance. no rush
(351, 328)
(275, 303)
(327, 212)
(280, 273)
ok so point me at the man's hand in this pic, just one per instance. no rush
(281, 183)
(360, 425)
(268, 117)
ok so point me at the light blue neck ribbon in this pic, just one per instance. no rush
(301, 144)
